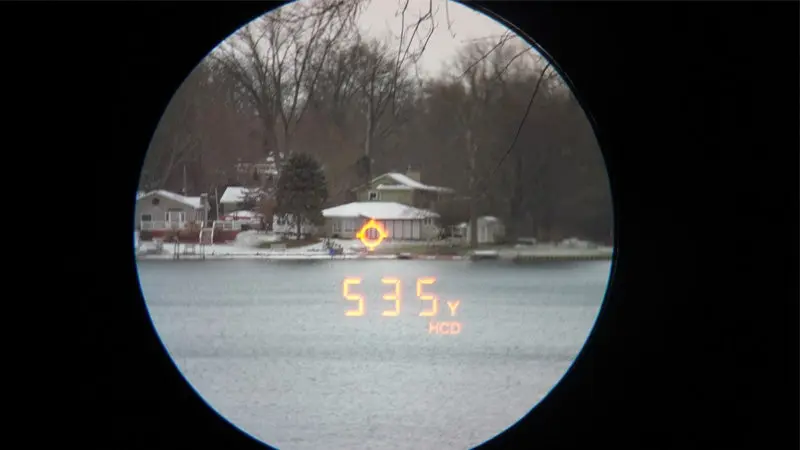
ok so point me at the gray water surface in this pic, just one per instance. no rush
(268, 346)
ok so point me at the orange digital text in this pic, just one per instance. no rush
(446, 328)
(429, 302)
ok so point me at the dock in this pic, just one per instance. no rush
(545, 254)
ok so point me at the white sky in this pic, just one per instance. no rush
(380, 21)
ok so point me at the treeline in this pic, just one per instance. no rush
(305, 81)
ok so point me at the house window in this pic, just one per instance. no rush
(373, 195)
(349, 225)
(176, 215)
(336, 227)
(156, 201)
(147, 218)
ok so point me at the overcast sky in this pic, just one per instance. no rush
(466, 24)
(456, 25)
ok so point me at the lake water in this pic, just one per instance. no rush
(269, 347)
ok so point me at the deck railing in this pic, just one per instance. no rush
(165, 225)
(237, 224)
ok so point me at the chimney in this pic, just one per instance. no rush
(413, 174)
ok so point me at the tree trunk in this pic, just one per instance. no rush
(473, 222)
(515, 207)
(473, 193)
(216, 202)
(299, 226)
(368, 147)
(368, 134)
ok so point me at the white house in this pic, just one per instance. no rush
(233, 197)
(162, 210)
(398, 221)
(490, 230)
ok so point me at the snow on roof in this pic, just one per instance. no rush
(194, 202)
(480, 219)
(236, 194)
(414, 184)
(393, 187)
(378, 210)
(244, 214)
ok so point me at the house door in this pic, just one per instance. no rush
(406, 229)
(416, 226)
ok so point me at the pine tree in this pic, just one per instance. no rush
(302, 191)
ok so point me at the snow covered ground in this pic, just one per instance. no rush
(247, 246)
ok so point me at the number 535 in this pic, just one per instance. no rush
(392, 296)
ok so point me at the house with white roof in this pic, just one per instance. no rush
(234, 197)
(405, 188)
(399, 221)
(165, 210)
(265, 167)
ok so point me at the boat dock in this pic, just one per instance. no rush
(542, 255)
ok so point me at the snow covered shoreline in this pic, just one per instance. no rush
(247, 249)
(231, 253)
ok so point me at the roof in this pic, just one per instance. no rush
(236, 194)
(378, 210)
(244, 214)
(194, 202)
(404, 183)
(393, 187)
(482, 219)
(407, 181)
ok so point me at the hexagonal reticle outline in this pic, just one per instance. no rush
(371, 244)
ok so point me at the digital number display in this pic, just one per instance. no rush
(428, 299)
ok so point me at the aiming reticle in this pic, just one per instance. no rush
(371, 244)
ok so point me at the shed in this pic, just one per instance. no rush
(490, 230)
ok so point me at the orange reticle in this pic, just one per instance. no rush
(371, 243)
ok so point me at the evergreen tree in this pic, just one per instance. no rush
(302, 191)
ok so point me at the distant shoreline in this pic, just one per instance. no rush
(512, 255)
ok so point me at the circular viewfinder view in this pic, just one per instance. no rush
(381, 225)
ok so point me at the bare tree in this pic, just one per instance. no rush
(174, 142)
(277, 60)
(387, 81)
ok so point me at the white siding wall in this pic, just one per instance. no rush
(395, 229)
